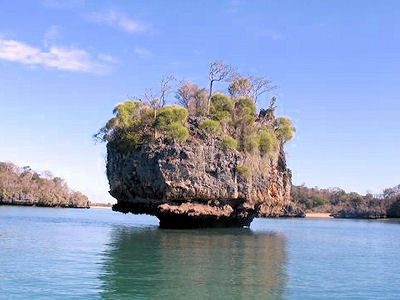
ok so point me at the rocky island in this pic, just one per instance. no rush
(211, 161)
(25, 187)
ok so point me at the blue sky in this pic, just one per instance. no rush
(65, 64)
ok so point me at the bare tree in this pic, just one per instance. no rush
(272, 103)
(149, 96)
(259, 86)
(192, 97)
(184, 93)
(165, 88)
(219, 71)
(48, 175)
(199, 99)
(240, 87)
(153, 102)
(271, 109)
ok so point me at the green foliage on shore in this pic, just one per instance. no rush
(23, 186)
(231, 118)
(350, 205)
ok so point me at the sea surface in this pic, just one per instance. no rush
(48, 253)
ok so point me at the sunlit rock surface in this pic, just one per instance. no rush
(197, 184)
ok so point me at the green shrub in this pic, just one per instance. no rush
(170, 120)
(134, 138)
(177, 132)
(315, 201)
(130, 115)
(267, 141)
(249, 143)
(245, 110)
(229, 142)
(211, 126)
(170, 114)
(243, 171)
(127, 114)
(235, 116)
(221, 107)
(284, 129)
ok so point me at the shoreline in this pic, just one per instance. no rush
(319, 215)
(42, 206)
(100, 207)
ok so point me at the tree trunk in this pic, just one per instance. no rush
(155, 117)
(209, 97)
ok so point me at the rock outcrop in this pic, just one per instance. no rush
(199, 183)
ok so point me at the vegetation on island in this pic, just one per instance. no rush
(348, 205)
(229, 117)
(23, 186)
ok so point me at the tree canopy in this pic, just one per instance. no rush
(26, 187)
(230, 117)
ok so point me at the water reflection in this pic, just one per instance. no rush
(171, 264)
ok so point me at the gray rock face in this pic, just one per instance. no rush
(197, 183)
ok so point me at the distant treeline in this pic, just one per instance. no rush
(348, 205)
(97, 204)
(23, 186)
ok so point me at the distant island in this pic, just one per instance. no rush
(208, 161)
(23, 186)
(340, 204)
(100, 205)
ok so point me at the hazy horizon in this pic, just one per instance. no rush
(65, 64)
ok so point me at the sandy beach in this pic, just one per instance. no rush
(318, 215)
(101, 207)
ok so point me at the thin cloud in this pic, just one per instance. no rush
(52, 34)
(107, 58)
(62, 58)
(118, 20)
(64, 3)
(233, 6)
(275, 35)
(176, 63)
(141, 51)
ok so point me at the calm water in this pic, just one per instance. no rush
(91, 254)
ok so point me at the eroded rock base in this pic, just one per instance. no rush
(189, 215)
(171, 221)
